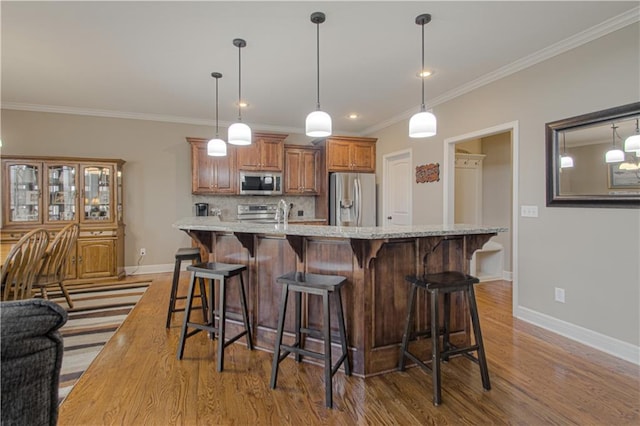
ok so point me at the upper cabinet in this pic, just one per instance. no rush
(38, 190)
(301, 170)
(351, 154)
(266, 153)
(212, 175)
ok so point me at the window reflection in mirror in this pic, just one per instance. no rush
(577, 172)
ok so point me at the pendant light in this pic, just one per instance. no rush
(318, 123)
(216, 146)
(565, 160)
(239, 133)
(633, 142)
(423, 123)
(614, 155)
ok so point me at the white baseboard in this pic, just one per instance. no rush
(507, 275)
(152, 269)
(599, 341)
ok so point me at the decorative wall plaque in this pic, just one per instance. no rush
(428, 173)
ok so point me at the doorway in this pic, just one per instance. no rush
(396, 189)
(449, 188)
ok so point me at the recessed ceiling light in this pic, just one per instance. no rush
(425, 74)
(353, 116)
(243, 104)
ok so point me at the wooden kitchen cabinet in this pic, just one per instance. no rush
(51, 192)
(351, 154)
(95, 257)
(266, 153)
(301, 170)
(212, 175)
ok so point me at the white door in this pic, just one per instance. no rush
(397, 188)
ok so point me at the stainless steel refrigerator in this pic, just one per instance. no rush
(352, 199)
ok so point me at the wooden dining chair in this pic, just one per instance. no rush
(23, 264)
(54, 265)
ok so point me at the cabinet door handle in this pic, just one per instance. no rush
(80, 259)
(73, 260)
(389, 217)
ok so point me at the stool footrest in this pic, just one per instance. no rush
(418, 361)
(460, 351)
(234, 338)
(301, 351)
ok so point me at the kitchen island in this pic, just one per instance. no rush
(375, 261)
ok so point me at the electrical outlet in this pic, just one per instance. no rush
(559, 294)
(529, 211)
(143, 252)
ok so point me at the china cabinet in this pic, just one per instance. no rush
(212, 175)
(50, 192)
(301, 170)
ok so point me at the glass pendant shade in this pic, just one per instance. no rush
(217, 148)
(632, 143)
(614, 156)
(318, 124)
(422, 125)
(239, 134)
(566, 162)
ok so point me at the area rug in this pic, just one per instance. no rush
(98, 311)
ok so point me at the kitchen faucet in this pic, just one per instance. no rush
(282, 211)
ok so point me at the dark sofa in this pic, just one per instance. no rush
(31, 349)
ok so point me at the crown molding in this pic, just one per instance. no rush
(138, 116)
(600, 30)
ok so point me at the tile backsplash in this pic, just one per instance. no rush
(228, 204)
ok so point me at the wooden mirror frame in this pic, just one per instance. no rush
(553, 129)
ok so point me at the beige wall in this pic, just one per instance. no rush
(590, 252)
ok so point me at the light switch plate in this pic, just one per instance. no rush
(529, 211)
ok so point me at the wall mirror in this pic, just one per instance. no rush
(583, 170)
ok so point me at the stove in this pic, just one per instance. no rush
(257, 213)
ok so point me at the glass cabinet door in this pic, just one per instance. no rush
(119, 193)
(24, 187)
(61, 185)
(97, 197)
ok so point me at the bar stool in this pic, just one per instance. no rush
(220, 272)
(184, 254)
(444, 283)
(321, 285)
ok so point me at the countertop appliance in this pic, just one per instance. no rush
(260, 183)
(202, 209)
(352, 199)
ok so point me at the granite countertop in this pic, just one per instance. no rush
(206, 223)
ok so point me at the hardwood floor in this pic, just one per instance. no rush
(537, 378)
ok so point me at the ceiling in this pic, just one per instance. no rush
(153, 60)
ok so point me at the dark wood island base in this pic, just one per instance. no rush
(375, 296)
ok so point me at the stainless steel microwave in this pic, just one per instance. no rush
(260, 183)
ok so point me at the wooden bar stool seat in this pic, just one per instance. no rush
(314, 284)
(182, 255)
(220, 272)
(444, 283)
